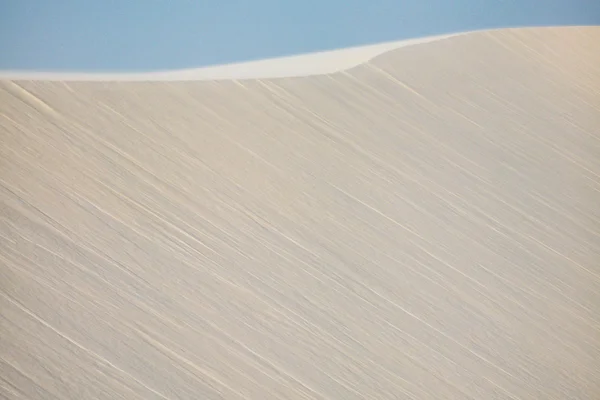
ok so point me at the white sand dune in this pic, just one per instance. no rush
(423, 225)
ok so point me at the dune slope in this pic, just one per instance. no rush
(422, 226)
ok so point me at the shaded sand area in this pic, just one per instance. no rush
(425, 225)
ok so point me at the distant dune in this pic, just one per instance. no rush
(319, 63)
(402, 222)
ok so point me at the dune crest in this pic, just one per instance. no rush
(318, 63)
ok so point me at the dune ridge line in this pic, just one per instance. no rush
(300, 65)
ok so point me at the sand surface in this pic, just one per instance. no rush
(425, 225)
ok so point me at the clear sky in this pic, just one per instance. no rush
(145, 35)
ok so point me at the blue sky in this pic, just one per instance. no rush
(144, 35)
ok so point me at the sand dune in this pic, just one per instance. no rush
(424, 225)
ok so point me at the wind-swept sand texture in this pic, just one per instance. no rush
(423, 226)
